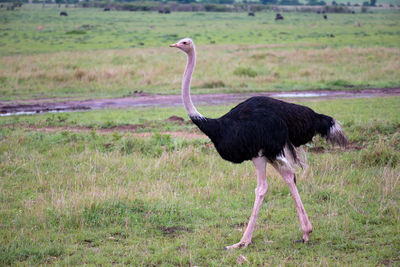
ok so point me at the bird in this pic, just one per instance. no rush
(266, 131)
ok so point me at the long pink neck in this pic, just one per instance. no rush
(187, 77)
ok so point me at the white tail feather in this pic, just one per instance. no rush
(336, 136)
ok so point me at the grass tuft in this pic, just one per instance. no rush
(382, 153)
(79, 32)
(213, 84)
(243, 71)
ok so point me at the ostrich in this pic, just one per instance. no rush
(263, 130)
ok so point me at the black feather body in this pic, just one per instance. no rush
(263, 124)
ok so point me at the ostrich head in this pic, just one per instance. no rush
(185, 45)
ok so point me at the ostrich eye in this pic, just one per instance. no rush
(185, 43)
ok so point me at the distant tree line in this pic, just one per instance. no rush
(167, 7)
(224, 2)
(195, 5)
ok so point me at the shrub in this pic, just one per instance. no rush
(338, 83)
(216, 8)
(290, 3)
(380, 154)
(316, 3)
(242, 71)
(213, 84)
(76, 32)
(364, 9)
(337, 9)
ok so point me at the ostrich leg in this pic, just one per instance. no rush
(290, 179)
(262, 187)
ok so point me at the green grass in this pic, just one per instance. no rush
(92, 53)
(70, 198)
(117, 30)
(72, 193)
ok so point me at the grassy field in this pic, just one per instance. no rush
(303, 52)
(72, 197)
(88, 29)
(76, 190)
(222, 68)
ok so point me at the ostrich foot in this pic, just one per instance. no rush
(305, 238)
(241, 244)
(306, 234)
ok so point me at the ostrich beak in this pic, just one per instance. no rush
(173, 45)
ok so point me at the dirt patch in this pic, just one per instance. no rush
(320, 149)
(317, 149)
(182, 135)
(145, 100)
(176, 119)
(132, 128)
(174, 230)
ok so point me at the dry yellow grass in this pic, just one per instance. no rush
(159, 70)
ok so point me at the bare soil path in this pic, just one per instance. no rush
(187, 135)
(146, 100)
